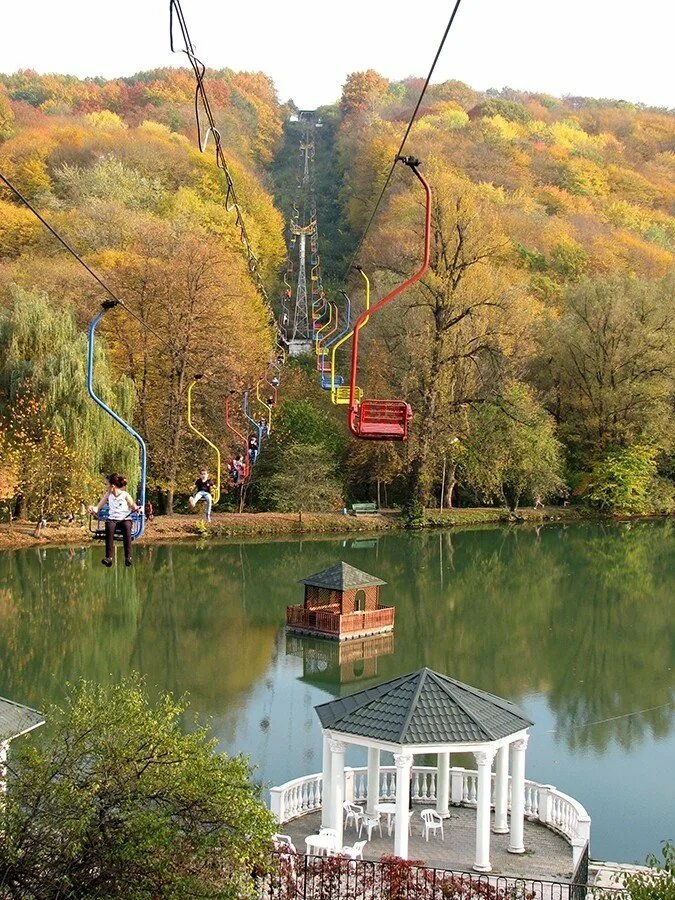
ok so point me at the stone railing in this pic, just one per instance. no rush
(543, 802)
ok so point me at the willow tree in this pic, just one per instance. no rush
(44, 354)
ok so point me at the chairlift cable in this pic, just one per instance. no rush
(199, 69)
(405, 138)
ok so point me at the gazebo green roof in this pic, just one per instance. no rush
(16, 719)
(342, 577)
(423, 707)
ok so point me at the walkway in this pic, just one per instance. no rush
(548, 856)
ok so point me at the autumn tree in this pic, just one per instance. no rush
(116, 799)
(6, 115)
(361, 92)
(512, 451)
(608, 363)
(457, 331)
(307, 482)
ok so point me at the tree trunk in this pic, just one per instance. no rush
(300, 518)
(165, 502)
(450, 485)
(20, 507)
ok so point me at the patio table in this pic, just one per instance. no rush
(320, 844)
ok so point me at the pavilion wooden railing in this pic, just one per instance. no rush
(329, 621)
(543, 802)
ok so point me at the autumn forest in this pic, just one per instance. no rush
(537, 353)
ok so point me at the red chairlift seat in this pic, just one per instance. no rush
(384, 420)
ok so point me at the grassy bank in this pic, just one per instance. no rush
(186, 527)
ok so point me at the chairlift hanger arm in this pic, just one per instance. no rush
(107, 305)
(193, 427)
(413, 164)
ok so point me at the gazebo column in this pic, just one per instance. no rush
(326, 810)
(373, 795)
(337, 786)
(484, 761)
(518, 749)
(501, 824)
(403, 762)
(443, 784)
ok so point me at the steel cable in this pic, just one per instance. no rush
(405, 138)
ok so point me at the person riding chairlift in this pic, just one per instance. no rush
(238, 468)
(253, 448)
(120, 506)
(203, 487)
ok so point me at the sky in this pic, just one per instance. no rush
(598, 48)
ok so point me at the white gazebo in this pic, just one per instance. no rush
(424, 713)
(15, 720)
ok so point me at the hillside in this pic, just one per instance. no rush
(537, 353)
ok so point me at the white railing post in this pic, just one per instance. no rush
(276, 803)
(580, 839)
(456, 786)
(545, 803)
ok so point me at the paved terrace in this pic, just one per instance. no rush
(547, 855)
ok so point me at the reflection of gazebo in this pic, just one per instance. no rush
(421, 713)
(15, 720)
(330, 664)
(341, 603)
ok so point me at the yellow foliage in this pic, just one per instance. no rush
(156, 129)
(492, 193)
(19, 229)
(583, 176)
(569, 135)
(106, 120)
(507, 131)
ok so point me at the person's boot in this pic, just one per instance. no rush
(106, 561)
(128, 562)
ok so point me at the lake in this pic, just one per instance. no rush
(573, 622)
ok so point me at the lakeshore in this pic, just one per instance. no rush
(187, 527)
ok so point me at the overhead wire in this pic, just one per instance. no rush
(405, 138)
(59, 237)
(201, 99)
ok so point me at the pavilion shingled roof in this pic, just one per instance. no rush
(16, 719)
(423, 707)
(342, 577)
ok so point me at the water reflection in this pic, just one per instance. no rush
(581, 615)
(340, 667)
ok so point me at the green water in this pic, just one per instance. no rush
(574, 623)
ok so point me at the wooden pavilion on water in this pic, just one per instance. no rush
(341, 603)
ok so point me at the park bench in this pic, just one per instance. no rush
(364, 509)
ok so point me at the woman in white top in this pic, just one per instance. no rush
(120, 506)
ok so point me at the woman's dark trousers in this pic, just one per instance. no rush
(123, 526)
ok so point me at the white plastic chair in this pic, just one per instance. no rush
(370, 822)
(355, 852)
(353, 814)
(282, 841)
(432, 822)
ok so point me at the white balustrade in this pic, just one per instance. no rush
(543, 802)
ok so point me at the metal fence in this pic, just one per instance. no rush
(298, 877)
